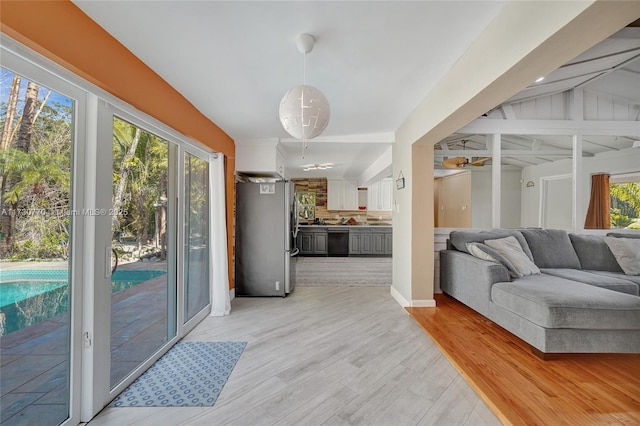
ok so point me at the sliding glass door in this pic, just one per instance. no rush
(39, 272)
(196, 235)
(142, 284)
(104, 242)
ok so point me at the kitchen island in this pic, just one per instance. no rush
(345, 240)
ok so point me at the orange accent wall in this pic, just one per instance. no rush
(61, 32)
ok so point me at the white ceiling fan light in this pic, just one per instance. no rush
(304, 110)
(322, 166)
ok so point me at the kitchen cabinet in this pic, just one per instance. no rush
(370, 241)
(363, 240)
(380, 195)
(342, 194)
(312, 241)
(388, 243)
(354, 243)
(260, 158)
(377, 242)
(320, 243)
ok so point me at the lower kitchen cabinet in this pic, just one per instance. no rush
(312, 241)
(320, 243)
(378, 243)
(370, 241)
(363, 241)
(388, 243)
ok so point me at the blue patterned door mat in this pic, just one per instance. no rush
(190, 374)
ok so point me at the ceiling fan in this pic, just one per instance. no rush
(462, 162)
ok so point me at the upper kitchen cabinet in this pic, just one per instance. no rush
(380, 195)
(260, 158)
(342, 194)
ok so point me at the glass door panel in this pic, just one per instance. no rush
(36, 224)
(196, 233)
(141, 292)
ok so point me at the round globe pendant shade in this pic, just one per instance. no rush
(304, 112)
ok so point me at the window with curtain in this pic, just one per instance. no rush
(598, 213)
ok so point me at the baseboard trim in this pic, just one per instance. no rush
(428, 303)
(398, 298)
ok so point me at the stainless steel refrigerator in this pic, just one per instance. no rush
(265, 235)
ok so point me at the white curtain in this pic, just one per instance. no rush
(218, 266)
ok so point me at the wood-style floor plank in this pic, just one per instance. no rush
(325, 356)
(522, 389)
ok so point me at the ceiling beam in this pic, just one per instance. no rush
(553, 127)
(510, 153)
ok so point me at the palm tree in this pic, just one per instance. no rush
(625, 203)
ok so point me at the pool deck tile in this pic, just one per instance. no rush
(33, 381)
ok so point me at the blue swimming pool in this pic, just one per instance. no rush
(30, 296)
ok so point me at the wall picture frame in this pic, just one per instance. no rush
(400, 181)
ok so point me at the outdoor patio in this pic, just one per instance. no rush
(34, 360)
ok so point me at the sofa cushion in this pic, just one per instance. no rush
(621, 275)
(594, 253)
(460, 238)
(510, 249)
(553, 302)
(627, 253)
(615, 283)
(631, 234)
(551, 248)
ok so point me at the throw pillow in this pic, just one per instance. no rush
(510, 248)
(626, 252)
(459, 239)
(483, 251)
(551, 248)
(593, 253)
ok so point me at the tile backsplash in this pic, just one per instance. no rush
(333, 217)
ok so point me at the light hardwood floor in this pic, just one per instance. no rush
(571, 389)
(325, 356)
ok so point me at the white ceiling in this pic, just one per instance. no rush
(374, 61)
(234, 60)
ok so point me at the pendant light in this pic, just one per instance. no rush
(304, 110)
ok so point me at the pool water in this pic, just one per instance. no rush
(20, 285)
(31, 296)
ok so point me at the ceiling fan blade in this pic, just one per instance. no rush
(454, 163)
(480, 161)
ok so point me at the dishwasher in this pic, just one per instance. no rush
(338, 241)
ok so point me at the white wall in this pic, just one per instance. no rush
(481, 194)
(613, 162)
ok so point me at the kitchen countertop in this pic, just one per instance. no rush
(345, 226)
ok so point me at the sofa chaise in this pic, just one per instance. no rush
(559, 292)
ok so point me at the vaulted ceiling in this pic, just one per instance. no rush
(597, 95)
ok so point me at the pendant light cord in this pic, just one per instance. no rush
(304, 83)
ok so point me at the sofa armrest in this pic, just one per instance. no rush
(469, 279)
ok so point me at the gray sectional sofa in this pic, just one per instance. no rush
(571, 295)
